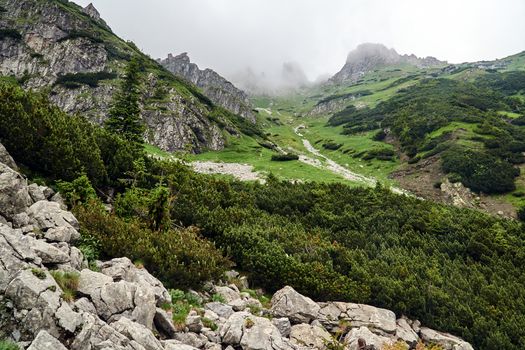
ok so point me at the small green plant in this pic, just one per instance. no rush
(39, 273)
(255, 309)
(8, 345)
(248, 323)
(180, 311)
(218, 298)
(68, 282)
(209, 324)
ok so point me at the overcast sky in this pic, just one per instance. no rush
(231, 35)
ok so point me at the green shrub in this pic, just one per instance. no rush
(8, 345)
(332, 146)
(40, 274)
(284, 157)
(178, 257)
(77, 191)
(479, 170)
(68, 282)
(10, 33)
(76, 80)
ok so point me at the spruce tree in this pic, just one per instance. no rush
(124, 115)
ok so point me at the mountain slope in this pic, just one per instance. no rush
(367, 57)
(70, 51)
(218, 89)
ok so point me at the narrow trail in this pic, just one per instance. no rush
(335, 167)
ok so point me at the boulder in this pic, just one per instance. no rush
(124, 269)
(371, 339)
(195, 340)
(114, 298)
(36, 193)
(445, 340)
(45, 341)
(90, 281)
(48, 253)
(193, 322)
(283, 325)
(309, 335)
(96, 334)
(163, 323)
(6, 158)
(14, 196)
(172, 345)
(222, 310)
(138, 333)
(48, 215)
(67, 318)
(405, 332)
(62, 234)
(227, 293)
(298, 308)
(145, 305)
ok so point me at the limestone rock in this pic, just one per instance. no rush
(370, 338)
(49, 254)
(309, 335)
(445, 340)
(163, 323)
(14, 196)
(298, 308)
(90, 281)
(283, 325)
(6, 158)
(45, 341)
(138, 333)
(405, 332)
(228, 294)
(222, 310)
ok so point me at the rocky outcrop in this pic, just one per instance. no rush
(52, 41)
(367, 57)
(120, 306)
(217, 88)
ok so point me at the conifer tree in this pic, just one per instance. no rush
(124, 116)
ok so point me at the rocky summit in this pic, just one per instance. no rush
(217, 88)
(117, 305)
(367, 57)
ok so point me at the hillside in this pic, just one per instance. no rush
(409, 123)
(73, 54)
(217, 88)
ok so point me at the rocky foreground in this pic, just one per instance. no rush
(121, 306)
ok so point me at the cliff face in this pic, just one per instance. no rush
(217, 88)
(367, 57)
(73, 54)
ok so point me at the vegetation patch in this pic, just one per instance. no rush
(76, 80)
(284, 157)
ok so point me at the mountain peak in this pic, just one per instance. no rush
(369, 56)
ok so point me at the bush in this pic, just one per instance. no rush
(480, 171)
(68, 282)
(8, 345)
(284, 157)
(76, 80)
(178, 257)
(77, 191)
(332, 146)
(10, 33)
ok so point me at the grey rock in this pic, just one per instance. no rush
(222, 310)
(62, 234)
(84, 305)
(45, 341)
(145, 308)
(6, 158)
(194, 322)
(218, 89)
(283, 325)
(49, 254)
(287, 302)
(309, 335)
(14, 197)
(227, 293)
(177, 346)
(47, 215)
(57, 198)
(114, 298)
(191, 339)
(124, 269)
(76, 258)
(67, 318)
(20, 220)
(405, 332)
(91, 281)
(445, 340)
(370, 338)
(36, 193)
(163, 323)
(138, 333)
(96, 334)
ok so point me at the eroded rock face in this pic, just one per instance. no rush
(57, 39)
(218, 89)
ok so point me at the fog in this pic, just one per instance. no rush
(290, 42)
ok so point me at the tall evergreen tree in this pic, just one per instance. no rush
(124, 116)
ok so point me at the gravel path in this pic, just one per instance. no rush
(243, 172)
